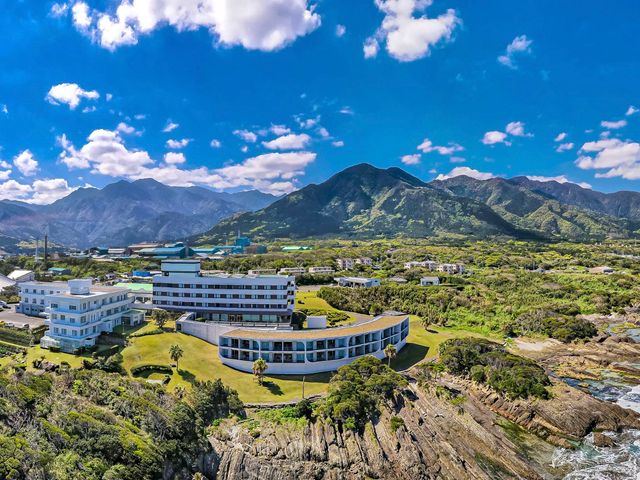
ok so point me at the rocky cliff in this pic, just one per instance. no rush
(435, 437)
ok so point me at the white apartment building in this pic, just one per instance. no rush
(427, 281)
(451, 268)
(77, 315)
(263, 271)
(364, 261)
(321, 270)
(34, 296)
(345, 263)
(258, 299)
(292, 271)
(428, 264)
(311, 351)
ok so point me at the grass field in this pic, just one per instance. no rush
(201, 362)
(310, 300)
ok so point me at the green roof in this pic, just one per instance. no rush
(147, 287)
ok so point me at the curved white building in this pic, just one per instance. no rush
(311, 351)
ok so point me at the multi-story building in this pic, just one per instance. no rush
(451, 268)
(321, 270)
(292, 271)
(311, 351)
(345, 263)
(263, 271)
(34, 296)
(79, 313)
(364, 261)
(258, 299)
(428, 264)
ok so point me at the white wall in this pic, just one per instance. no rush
(207, 331)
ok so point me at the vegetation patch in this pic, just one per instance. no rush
(490, 364)
(561, 327)
(150, 368)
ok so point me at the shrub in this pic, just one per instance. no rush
(487, 362)
(150, 367)
(395, 423)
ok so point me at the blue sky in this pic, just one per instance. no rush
(276, 94)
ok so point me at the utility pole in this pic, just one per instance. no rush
(46, 245)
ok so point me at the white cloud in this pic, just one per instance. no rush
(340, 30)
(519, 46)
(25, 163)
(244, 149)
(89, 109)
(265, 25)
(338, 143)
(215, 143)
(307, 123)
(370, 48)
(246, 135)
(48, 191)
(559, 179)
(346, 110)
(613, 125)
(517, 129)
(5, 174)
(70, 94)
(427, 146)
(413, 159)
(406, 36)
(291, 141)
(43, 191)
(4, 164)
(170, 126)
(59, 10)
(106, 154)
(466, 171)
(174, 158)
(563, 147)
(323, 132)
(12, 190)
(128, 129)
(108, 97)
(619, 158)
(493, 137)
(560, 137)
(631, 110)
(177, 144)
(279, 129)
(457, 160)
(4, 109)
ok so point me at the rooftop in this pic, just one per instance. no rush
(378, 323)
(147, 287)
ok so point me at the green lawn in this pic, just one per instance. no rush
(310, 300)
(201, 362)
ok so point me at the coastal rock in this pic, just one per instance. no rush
(601, 440)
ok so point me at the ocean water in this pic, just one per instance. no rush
(620, 462)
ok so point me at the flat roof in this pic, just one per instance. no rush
(147, 287)
(378, 323)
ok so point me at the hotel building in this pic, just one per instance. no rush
(233, 298)
(311, 351)
(34, 296)
(79, 313)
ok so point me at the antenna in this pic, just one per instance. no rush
(46, 245)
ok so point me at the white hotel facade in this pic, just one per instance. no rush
(228, 298)
(76, 312)
(299, 352)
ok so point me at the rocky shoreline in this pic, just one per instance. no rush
(437, 438)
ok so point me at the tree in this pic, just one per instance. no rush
(160, 317)
(259, 367)
(175, 352)
(390, 352)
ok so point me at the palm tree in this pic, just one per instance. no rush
(390, 352)
(175, 352)
(259, 367)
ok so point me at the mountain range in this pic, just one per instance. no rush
(360, 202)
(367, 202)
(123, 213)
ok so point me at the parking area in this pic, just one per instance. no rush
(10, 317)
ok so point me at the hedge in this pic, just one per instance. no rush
(147, 367)
(155, 331)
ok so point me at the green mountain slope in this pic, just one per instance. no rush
(529, 209)
(367, 202)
